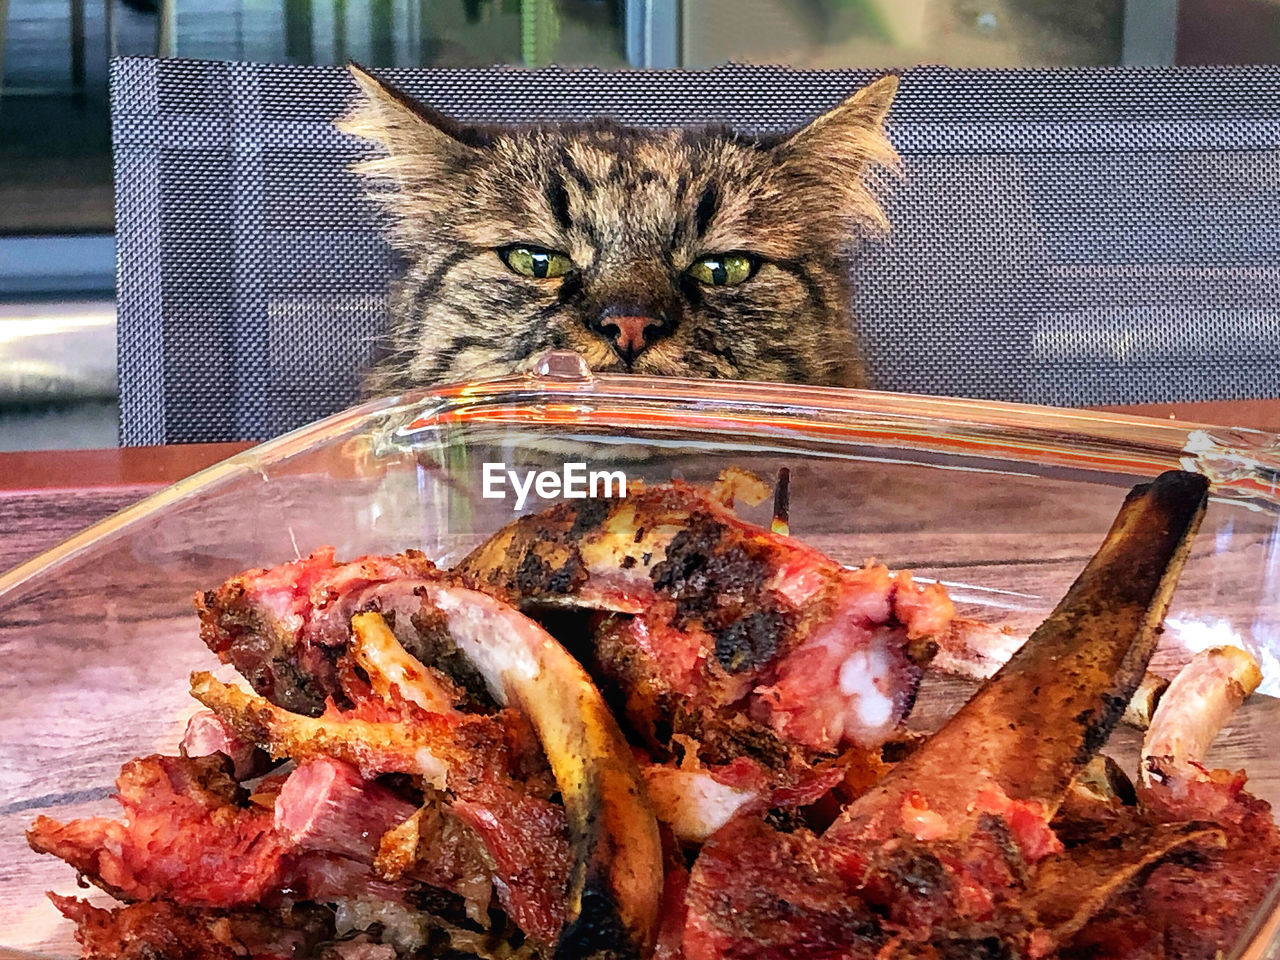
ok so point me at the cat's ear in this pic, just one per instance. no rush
(837, 149)
(421, 143)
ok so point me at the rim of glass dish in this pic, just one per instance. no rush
(1245, 459)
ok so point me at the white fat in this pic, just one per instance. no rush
(279, 605)
(432, 768)
(1198, 703)
(402, 927)
(692, 802)
(858, 678)
(499, 642)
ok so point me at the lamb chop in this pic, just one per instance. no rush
(759, 664)
(511, 757)
(952, 853)
(749, 641)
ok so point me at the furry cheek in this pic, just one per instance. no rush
(668, 359)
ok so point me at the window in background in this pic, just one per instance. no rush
(55, 157)
(55, 171)
(972, 33)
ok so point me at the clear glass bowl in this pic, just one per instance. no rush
(1001, 502)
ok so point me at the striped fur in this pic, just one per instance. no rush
(633, 209)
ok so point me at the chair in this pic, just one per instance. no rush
(1067, 237)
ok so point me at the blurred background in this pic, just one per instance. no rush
(57, 331)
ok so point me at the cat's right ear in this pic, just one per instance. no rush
(421, 144)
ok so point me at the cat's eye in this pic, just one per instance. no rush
(724, 269)
(535, 261)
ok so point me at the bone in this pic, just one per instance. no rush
(616, 883)
(975, 650)
(782, 503)
(1031, 729)
(1198, 703)
(374, 747)
(389, 666)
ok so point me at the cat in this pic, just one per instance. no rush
(683, 252)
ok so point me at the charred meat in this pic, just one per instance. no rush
(418, 769)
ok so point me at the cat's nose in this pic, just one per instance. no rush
(630, 335)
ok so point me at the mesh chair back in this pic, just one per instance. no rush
(1062, 236)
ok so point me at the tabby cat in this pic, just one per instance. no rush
(700, 253)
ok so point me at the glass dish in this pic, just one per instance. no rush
(1001, 502)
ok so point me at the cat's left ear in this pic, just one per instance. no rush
(422, 144)
(835, 150)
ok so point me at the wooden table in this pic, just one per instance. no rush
(47, 496)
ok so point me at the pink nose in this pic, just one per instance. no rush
(631, 338)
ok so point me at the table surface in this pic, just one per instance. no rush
(46, 496)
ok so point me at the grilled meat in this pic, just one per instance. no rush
(745, 639)
(457, 651)
(954, 845)
(456, 785)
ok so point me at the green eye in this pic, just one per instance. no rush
(535, 261)
(723, 270)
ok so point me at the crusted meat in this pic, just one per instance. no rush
(410, 663)
(1197, 903)
(954, 844)
(803, 911)
(189, 834)
(522, 835)
(158, 929)
(284, 628)
(376, 737)
(723, 630)
(455, 783)
(192, 837)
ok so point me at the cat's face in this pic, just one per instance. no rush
(675, 253)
